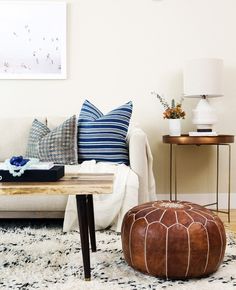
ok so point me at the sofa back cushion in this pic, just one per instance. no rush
(14, 134)
(103, 137)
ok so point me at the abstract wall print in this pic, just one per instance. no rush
(33, 40)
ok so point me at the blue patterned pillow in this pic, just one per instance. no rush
(103, 137)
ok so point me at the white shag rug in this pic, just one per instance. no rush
(47, 258)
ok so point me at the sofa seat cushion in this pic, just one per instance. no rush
(33, 203)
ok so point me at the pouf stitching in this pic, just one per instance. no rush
(207, 218)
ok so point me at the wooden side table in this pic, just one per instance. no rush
(220, 140)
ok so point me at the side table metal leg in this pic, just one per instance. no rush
(217, 177)
(83, 225)
(90, 213)
(176, 176)
(229, 183)
(171, 148)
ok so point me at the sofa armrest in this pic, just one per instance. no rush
(141, 162)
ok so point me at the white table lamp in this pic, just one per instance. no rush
(203, 79)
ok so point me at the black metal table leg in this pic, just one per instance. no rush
(90, 214)
(83, 224)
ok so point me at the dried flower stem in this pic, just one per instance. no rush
(173, 111)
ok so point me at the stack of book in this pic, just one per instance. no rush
(195, 133)
(36, 166)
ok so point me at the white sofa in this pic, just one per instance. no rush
(14, 134)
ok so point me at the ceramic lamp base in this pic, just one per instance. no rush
(204, 116)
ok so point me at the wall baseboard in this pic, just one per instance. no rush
(204, 198)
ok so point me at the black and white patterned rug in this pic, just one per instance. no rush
(46, 258)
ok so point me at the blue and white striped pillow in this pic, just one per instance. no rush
(103, 137)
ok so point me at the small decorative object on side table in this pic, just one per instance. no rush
(173, 113)
(219, 140)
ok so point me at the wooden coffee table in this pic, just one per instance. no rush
(83, 186)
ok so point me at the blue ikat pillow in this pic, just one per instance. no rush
(103, 137)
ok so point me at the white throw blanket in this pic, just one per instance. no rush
(109, 209)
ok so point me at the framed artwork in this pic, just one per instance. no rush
(33, 40)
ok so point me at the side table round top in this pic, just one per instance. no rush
(198, 140)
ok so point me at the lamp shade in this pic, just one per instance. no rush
(203, 77)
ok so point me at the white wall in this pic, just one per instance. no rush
(121, 50)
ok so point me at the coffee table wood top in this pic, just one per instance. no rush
(80, 183)
(198, 140)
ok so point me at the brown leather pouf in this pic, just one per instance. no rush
(175, 240)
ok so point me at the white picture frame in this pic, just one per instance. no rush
(33, 40)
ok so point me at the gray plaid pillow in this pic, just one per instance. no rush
(37, 132)
(58, 146)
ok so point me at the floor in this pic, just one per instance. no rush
(59, 222)
(232, 224)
